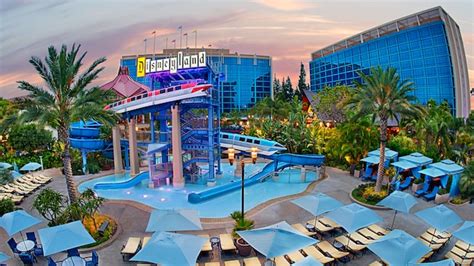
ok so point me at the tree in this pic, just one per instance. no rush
(466, 183)
(383, 96)
(29, 138)
(91, 204)
(65, 99)
(51, 205)
(301, 82)
(276, 86)
(287, 90)
(330, 103)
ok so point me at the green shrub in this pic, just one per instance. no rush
(5, 176)
(403, 144)
(29, 138)
(6, 206)
(240, 224)
(419, 180)
(458, 200)
(443, 191)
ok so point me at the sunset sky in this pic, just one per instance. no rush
(286, 30)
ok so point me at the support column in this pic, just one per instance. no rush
(127, 159)
(152, 127)
(211, 180)
(163, 135)
(303, 174)
(118, 166)
(238, 168)
(132, 141)
(84, 161)
(178, 180)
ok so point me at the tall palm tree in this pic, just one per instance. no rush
(383, 96)
(64, 98)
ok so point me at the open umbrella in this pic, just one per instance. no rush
(399, 248)
(16, 175)
(440, 217)
(5, 165)
(276, 240)
(174, 220)
(308, 261)
(398, 201)
(466, 232)
(63, 237)
(16, 221)
(171, 249)
(3, 257)
(15, 167)
(317, 204)
(32, 166)
(352, 217)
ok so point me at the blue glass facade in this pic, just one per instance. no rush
(420, 54)
(242, 80)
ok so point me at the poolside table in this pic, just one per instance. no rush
(25, 246)
(74, 261)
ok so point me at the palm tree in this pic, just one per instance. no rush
(383, 96)
(65, 99)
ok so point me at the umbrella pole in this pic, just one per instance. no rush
(393, 221)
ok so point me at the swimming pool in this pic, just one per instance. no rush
(167, 197)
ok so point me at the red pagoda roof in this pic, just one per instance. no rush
(124, 86)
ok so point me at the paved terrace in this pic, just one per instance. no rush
(132, 218)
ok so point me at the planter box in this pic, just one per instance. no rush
(416, 187)
(441, 198)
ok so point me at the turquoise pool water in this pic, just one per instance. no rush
(167, 197)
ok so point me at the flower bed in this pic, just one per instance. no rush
(366, 194)
(93, 227)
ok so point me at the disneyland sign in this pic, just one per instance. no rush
(171, 64)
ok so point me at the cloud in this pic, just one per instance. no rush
(287, 5)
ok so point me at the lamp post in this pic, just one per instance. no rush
(253, 156)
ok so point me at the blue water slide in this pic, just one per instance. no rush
(227, 188)
(124, 184)
(299, 159)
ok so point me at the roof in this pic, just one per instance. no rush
(371, 159)
(417, 158)
(124, 86)
(389, 154)
(433, 172)
(404, 165)
(448, 166)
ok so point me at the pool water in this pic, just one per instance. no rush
(166, 197)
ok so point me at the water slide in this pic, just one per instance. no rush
(133, 181)
(280, 161)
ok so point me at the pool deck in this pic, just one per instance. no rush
(133, 217)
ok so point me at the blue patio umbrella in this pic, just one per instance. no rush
(174, 220)
(276, 240)
(446, 262)
(171, 249)
(440, 217)
(16, 221)
(398, 201)
(308, 261)
(466, 232)
(352, 217)
(317, 204)
(399, 248)
(32, 166)
(5, 165)
(16, 175)
(3, 257)
(63, 237)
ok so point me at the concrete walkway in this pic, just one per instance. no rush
(133, 217)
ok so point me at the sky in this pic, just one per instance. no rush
(287, 30)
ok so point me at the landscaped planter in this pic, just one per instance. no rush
(416, 187)
(441, 198)
(243, 247)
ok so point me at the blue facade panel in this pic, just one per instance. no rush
(420, 54)
(243, 81)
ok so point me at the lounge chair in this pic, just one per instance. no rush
(350, 244)
(405, 184)
(327, 248)
(295, 256)
(27, 184)
(302, 229)
(227, 243)
(378, 230)
(316, 254)
(130, 248)
(328, 222)
(253, 261)
(212, 264)
(207, 245)
(433, 239)
(464, 246)
(376, 263)
(458, 260)
(232, 263)
(462, 253)
(367, 233)
(438, 233)
(15, 189)
(145, 240)
(282, 261)
(7, 189)
(15, 198)
(433, 246)
(21, 188)
(358, 238)
(425, 257)
(423, 190)
(431, 195)
(321, 227)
